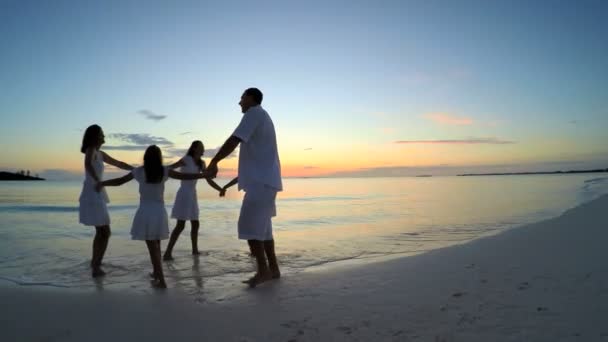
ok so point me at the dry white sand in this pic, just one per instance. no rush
(543, 282)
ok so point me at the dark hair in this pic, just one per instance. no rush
(153, 164)
(256, 94)
(90, 138)
(190, 153)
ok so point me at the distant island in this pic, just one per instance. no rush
(534, 173)
(21, 176)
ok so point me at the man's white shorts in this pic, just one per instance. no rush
(257, 210)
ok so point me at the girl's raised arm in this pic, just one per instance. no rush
(231, 183)
(177, 164)
(210, 181)
(115, 181)
(121, 165)
(213, 184)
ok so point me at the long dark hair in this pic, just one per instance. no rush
(190, 153)
(153, 164)
(90, 138)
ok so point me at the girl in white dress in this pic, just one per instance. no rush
(185, 207)
(150, 222)
(93, 209)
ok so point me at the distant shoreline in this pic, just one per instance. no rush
(534, 173)
(9, 176)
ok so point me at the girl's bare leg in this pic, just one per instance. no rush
(179, 228)
(154, 250)
(194, 236)
(100, 244)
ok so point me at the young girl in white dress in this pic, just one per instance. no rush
(93, 209)
(150, 222)
(185, 207)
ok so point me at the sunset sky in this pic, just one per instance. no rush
(355, 88)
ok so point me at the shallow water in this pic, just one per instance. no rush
(319, 222)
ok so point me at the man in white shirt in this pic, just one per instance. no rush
(260, 178)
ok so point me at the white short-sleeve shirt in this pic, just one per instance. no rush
(258, 156)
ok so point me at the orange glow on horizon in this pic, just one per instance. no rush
(338, 158)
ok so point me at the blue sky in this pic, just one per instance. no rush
(344, 81)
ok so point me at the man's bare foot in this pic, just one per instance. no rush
(153, 275)
(168, 257)
(257, 279)
(276, 274)
(196, 252)
(98, 272)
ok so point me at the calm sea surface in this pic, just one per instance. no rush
(320, 222)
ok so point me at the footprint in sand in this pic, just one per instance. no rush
(458, 294)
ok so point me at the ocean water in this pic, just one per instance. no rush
(320, 222)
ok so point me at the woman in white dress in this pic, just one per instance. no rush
(93, 209)
(150, 222)
(185, 207)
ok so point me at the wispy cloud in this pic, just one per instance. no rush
(125, 147)
(308, 149)
(310, 167)
(150, 115)
(468, 141)
(173, 152)
(449, 119)
(140, 139)
(186, 133)
(447, 170)
(136, 141)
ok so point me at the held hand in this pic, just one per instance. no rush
(223, 192)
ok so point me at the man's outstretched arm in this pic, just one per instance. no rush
(228, 147)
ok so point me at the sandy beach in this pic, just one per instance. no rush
(542, 282)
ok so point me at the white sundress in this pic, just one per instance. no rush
(186, 200)
(150, 221)
(93, 209)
